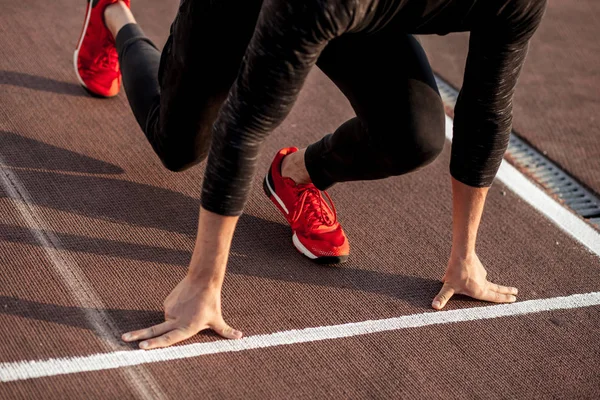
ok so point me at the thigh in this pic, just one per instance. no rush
(200, 63)
(388, 80)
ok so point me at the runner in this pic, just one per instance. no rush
(230, 73)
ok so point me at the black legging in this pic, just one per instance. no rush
(399, 125)
(222, 79)
(176, 96)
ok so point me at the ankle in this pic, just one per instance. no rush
(294, 167)
(116, 16)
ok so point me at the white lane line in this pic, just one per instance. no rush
(60, 366)
(542, 202)
(79, 288)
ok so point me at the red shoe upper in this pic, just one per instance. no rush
(96, 59)
(312, 219)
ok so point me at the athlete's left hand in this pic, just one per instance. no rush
(467, 276)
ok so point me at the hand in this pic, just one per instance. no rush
(467, 276)
(190, 308)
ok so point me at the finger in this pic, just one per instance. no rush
(168, 339)
(226, 331)
(443, 296)
(147, 333)
(497, 297)
(504, 289)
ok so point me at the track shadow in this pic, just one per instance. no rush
(22, 152)
(40, 83)
(124, 320)
(265, 256)
(111, 199)
(261, 248)
(103, 247)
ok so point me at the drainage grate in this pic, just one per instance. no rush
(448, 93)
(535, 165)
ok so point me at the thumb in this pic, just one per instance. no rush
(443, 296)
(225, 330)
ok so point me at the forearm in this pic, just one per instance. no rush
(467, 208)
(465, 274)
(211, 251)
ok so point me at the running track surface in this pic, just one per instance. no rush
(95, 233)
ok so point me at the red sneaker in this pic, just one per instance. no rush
(95, 59)
(317, 233)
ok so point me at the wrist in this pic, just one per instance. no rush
(462, 254)
(206, 275)
(205, 281)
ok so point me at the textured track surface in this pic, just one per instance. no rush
(95, 233)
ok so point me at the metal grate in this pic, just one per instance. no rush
(546, 173)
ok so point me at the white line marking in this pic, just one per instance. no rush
(546, 205)
(60, 366)
(75, 281)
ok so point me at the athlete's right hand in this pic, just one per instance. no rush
(191, 307)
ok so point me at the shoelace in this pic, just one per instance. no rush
(317, 207)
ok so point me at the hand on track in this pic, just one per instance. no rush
(469, 277)
(189, 309)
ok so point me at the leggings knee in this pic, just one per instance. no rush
(416, 144)
(179, 161)
(412, 156)
(178, 146)
(178, 154)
